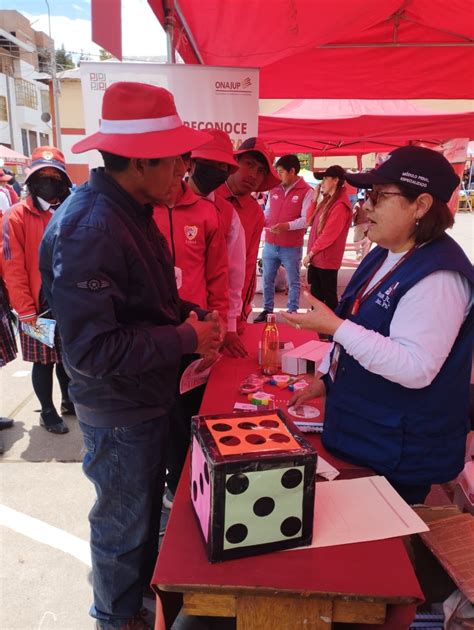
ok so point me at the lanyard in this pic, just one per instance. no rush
(362, 296)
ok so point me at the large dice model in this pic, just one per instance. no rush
(252, 484)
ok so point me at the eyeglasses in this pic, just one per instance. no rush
(374, 195)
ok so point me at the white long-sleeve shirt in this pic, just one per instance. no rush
(236, 252)
(423, 329)
(299, 223)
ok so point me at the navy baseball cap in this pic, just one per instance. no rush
(417, 168)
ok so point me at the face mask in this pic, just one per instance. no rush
(49, 189)
(207, 178)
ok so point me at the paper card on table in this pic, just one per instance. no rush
(325, 469)
(191, 378)
(359, 510)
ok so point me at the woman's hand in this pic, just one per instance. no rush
(321, 318)
(315, 389)
(307, 260)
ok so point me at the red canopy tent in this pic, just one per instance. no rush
(307, 49)
(355, 127)
(12, 157)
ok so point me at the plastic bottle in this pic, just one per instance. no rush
(270, 346)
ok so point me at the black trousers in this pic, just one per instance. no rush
(185, 407)
(323, 285)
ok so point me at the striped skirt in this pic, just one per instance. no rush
(37, 352)
(8, 347)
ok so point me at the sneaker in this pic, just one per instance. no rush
(168, 499)
(262, 317)
(5, 423)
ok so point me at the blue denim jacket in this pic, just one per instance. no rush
(109, 279)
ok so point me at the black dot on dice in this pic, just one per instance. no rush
(229, 440)
(201, 483)
(220, 426)
(195, 491)
(254, 438)
(269, 424)
(264, 506)
(290, 526)
(279, 437)
(206, 472)
(236, 533)
(237, 483)
(247, 426)
(291, 478)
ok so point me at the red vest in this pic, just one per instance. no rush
(284, 208)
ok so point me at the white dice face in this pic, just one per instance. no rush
(263, 507)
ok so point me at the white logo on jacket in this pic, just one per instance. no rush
(383, 299)
(190, 232)
(295, 198)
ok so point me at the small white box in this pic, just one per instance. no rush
(304, 359)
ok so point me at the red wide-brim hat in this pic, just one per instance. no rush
(141, 121)
(219, 149)
(271, 179)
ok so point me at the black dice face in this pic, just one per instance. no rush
(263, 507)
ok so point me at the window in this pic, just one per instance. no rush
(26, 94)
(24, 141)
(44, 139)
(33, 140)
(3, 108)
(45, 102)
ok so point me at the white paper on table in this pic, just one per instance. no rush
(245, 407)
(191, 378)
(359, 510)
(325, 469)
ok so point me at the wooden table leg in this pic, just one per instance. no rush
(283, 613)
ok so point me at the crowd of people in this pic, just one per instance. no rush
(151, 265)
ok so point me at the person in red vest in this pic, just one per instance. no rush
(330, 224)
(255, 174)
(8, 195)
(23, 227)
(285, 217)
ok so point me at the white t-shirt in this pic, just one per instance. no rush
(423, 329)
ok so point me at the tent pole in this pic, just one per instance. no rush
(168, 8)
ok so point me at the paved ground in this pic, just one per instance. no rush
(44, 501)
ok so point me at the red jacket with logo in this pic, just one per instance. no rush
(22, 231)
(285, 207)
(328, 243)
(196, 239)
(252, 219)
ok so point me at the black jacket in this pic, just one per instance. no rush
(108, 276)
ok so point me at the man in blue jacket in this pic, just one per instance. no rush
(109, 279)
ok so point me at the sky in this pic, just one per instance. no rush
(71, 26)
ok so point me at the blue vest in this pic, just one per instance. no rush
(412, 436)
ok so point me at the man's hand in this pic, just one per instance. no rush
(307, 260)
(233, 347)
(321, 318)
(207, 362)
(314, 390)
(208, 332)
(279, 228)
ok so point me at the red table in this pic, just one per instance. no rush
(289, 590)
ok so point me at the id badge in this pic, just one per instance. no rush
(334, 361)
(178, 274)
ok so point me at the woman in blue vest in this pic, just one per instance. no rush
(397, 377)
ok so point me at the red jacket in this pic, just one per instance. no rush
(252, 219)
(196, 239)
(328, 246)
(23, 229)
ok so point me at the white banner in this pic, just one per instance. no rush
(205, 96)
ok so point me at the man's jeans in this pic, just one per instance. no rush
(290, 257)
(127, 467)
